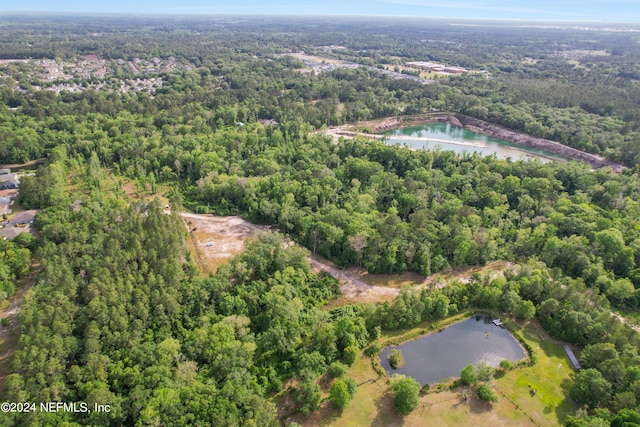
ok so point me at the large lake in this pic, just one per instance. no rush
(441, 355)
(454, 138)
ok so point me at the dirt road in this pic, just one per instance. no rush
(352, 286)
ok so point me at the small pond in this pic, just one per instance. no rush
(454, 138)
(437, 356)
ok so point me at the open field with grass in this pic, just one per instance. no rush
(550, 377)
(136, 192)
(517, 404)
(423, 74)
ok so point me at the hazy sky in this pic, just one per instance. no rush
(581, 10)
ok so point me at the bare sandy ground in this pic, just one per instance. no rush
(351, 285)
(218, 238)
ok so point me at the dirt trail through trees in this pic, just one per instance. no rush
(11, 307)
(10, 334)
(352, 286)
(217, 239)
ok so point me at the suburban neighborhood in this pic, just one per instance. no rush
(19, 222)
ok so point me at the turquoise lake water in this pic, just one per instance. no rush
(454, 138)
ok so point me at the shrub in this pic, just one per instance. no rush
(337, 369)
(486, 394)
(351, 386)
(395, 358)
(307, 397)
(468, 375)
(372, 350)
(505, 364)
(339, 394)
(425, 389)
(349, 355)
(484, 372)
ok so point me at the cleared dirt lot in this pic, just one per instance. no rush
(213, 240)
(216, 239)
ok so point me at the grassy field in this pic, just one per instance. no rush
(549, 377)
(517, 404)
(423, 74)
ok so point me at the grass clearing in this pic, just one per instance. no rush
(463, 274)
(135, 192)
(423, 74)
(550, 377)
(347, 300)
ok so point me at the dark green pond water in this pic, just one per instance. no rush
(454, 138)
(441, 355)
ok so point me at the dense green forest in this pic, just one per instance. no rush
(119, 314)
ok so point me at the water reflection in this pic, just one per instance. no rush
(454, 138)
(436, 357)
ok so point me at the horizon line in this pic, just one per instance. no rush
(244, 14)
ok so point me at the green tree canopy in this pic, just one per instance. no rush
(406, 394)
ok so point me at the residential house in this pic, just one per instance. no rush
(9, 181)
(10, 233)
(23, 218)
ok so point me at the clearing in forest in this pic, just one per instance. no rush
(440, 279)
(527, 396)
(213, 240)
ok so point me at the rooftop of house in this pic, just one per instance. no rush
(23, 217)
(8, 177)
(12, 232)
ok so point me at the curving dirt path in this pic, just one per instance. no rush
(352, 286)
